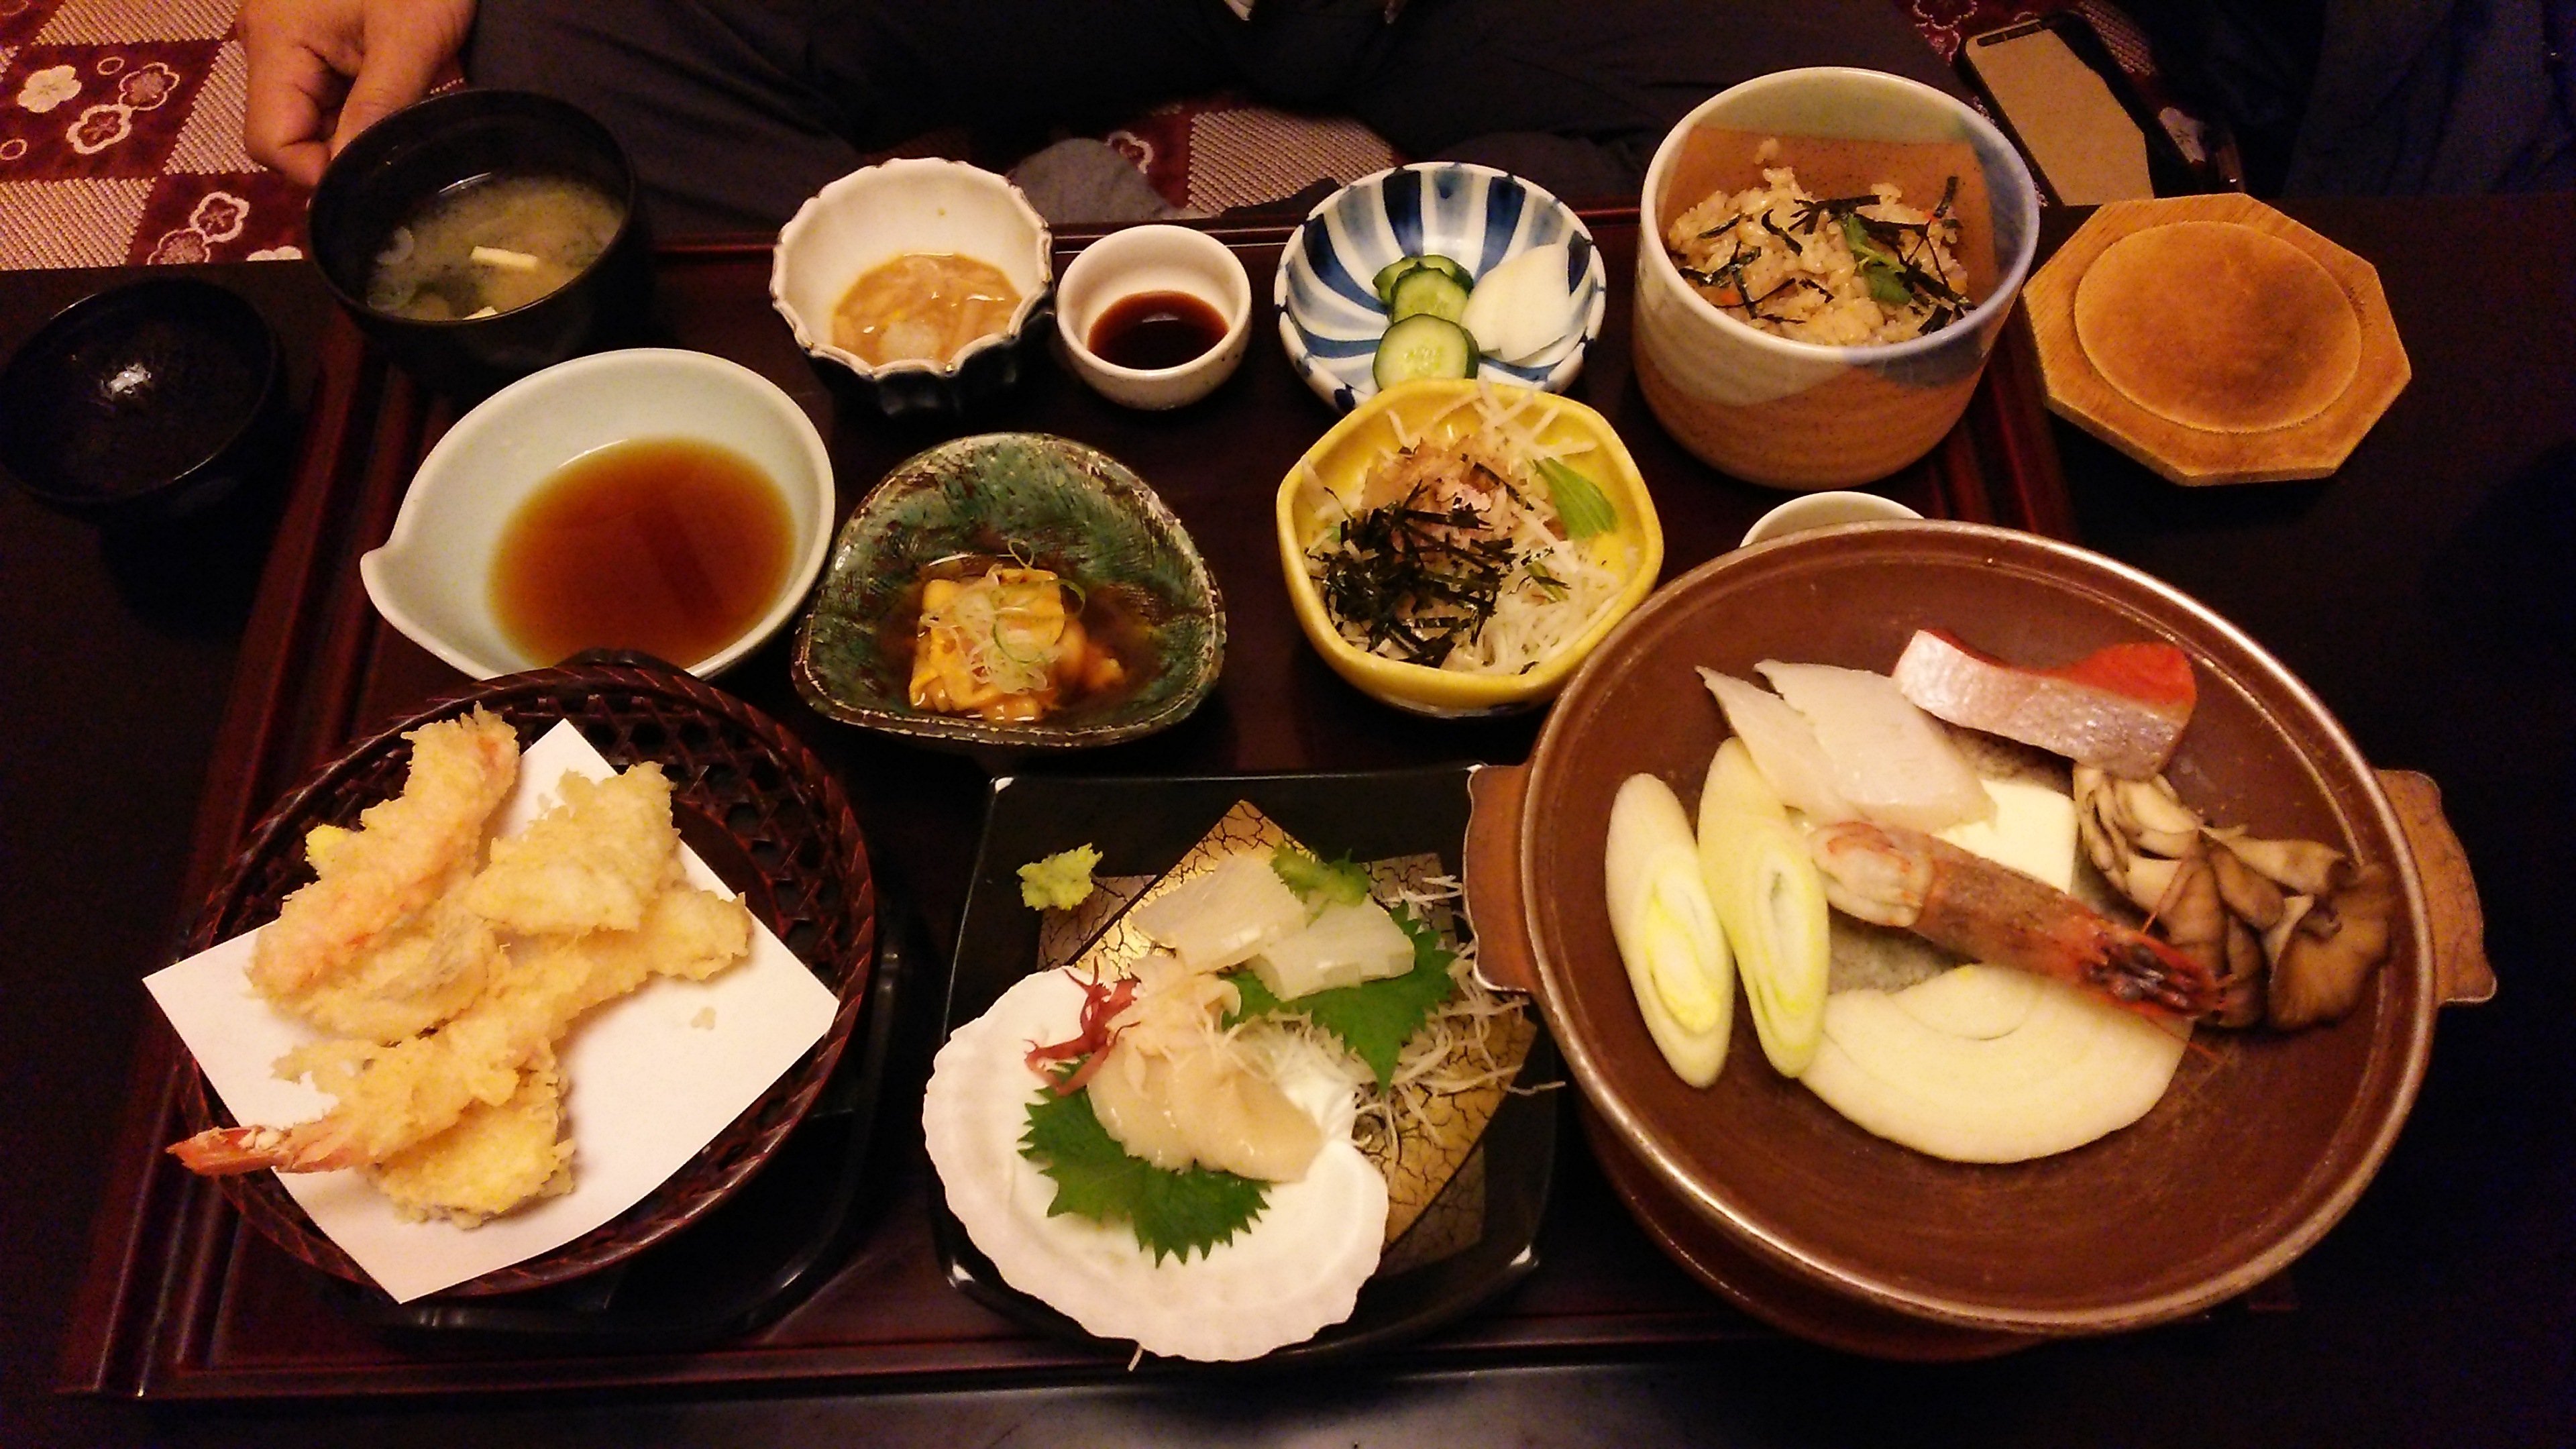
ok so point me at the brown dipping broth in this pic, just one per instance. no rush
(1114, 615)
(1153, 330)
(667, 545)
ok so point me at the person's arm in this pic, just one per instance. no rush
(321, 71)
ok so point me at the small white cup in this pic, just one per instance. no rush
(1824, 510)
(1153, 258)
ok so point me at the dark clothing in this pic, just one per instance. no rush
(2379, 97)
(2417, 97)
(736, 110)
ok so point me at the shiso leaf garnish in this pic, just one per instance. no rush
(1375, 1018)
(1173, 1214)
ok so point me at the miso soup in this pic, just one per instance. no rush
(491, 245)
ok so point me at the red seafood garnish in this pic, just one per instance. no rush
(2122, 708)
(2152, 673)
(1101, 1003)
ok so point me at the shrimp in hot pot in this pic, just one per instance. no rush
(1893, 876)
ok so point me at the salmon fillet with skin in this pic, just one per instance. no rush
(2121, 708)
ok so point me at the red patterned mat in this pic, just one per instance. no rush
(120, 135)
(120, 138)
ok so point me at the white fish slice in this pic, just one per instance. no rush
(1783, 745)
(1890, 759)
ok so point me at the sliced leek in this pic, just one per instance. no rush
(1668, 933)
(1771, 902)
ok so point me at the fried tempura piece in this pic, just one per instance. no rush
(589, 863)
(492, 1160)
(423, 970)
(397, 860)
(391, 1097)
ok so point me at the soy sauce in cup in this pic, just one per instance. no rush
(1152, 330)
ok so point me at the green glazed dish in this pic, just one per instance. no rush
(1051, 502)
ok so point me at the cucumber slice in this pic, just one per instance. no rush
(1456, 270)
(1384, 282)
(1424, 346)
(1427, 291)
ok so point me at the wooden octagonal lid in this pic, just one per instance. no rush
(2215, 340)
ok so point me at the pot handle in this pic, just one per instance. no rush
(1490, 871)
(2461, 971)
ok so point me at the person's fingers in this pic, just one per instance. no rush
(402, 61)
(291, 91)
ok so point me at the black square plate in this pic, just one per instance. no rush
(1141, 826)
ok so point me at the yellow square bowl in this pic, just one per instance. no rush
(1325, 485)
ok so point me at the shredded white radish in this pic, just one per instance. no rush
(1555, 587)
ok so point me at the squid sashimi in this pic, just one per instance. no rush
(2122, 708)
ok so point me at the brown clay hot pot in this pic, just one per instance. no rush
(2263, 1140)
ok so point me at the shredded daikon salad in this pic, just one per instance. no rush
(1464, 1043)
(1455, 554)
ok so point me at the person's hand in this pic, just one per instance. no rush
(321, 71)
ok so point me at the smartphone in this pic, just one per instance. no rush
(2056, 89)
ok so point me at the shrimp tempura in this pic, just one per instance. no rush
(393, 1097)
(398, 860)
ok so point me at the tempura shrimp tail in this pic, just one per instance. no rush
(395, 862)
(318, 1146)
(1966, 903)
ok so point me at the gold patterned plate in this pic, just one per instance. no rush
(1464, 1209)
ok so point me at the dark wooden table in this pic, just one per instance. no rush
(2425, 592)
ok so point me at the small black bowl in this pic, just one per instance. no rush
(142, 404)
(446, 141)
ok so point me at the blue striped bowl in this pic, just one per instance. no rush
(1330, 318)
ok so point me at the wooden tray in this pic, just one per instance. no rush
(181, 1302)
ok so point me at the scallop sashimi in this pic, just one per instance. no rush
(1295, 1271)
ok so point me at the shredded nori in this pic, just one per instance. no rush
(1418, 579)
(1896, 258)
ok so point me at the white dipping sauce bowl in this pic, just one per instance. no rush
(1825, 510)
(1153, 258)
(432, 579)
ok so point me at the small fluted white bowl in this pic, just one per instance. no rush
(880, 212)
(432, 578)
(1154, 258)
(1825, 510)
(1330, 319)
